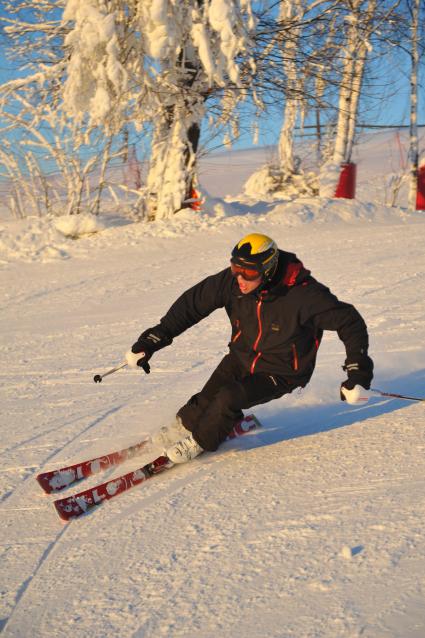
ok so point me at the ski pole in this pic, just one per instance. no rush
(396, 396)
(98, 377)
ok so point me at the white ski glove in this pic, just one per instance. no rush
(133, 357)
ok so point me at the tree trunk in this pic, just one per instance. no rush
(175, 143)
(172, 164)
(358, 37)
(358, 74)
(291, 10)
(345, 97)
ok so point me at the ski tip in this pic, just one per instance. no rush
(44, 483)
(55, 481)
(65, 512)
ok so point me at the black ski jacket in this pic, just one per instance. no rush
(276, 330)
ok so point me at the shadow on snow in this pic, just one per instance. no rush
(295, 422)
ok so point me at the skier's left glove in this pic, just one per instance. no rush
(359, 371)
(150, 341)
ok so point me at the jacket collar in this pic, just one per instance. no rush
(290, 272)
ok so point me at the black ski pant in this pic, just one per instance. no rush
(211, 413)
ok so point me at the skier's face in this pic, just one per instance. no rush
(248, 278)
(247, 286)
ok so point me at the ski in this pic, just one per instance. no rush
(73, 506)
(57, 480)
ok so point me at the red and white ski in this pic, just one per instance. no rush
(57, 480)
(73, 506)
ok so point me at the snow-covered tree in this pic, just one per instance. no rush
(49, 165)
(150, 62)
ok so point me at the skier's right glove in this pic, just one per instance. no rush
(138, 360)
(359, 371)
(150, 341)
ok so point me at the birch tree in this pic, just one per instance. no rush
(360, 24)
(363, 25)
(413, 129)
(294, 59)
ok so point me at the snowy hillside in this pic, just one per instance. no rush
(312, 527)
(380, 155)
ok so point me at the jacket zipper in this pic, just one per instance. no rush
(257, 341)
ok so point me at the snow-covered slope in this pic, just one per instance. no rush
(311, 527)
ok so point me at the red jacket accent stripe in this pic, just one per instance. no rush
(254, 363)
(260, 326)
(295, 356)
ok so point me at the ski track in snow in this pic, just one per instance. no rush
(27, 583)
(311, 527)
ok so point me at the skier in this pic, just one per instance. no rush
(278, 313)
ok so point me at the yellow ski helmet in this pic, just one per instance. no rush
(257, 253)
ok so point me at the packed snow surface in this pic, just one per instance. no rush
(311, 527)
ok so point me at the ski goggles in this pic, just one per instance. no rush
(249, 274)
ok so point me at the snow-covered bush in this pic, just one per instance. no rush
(270, 182)
(263, 183)
(75, 226)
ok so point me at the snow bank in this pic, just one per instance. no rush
(31, 239)
(330, 211)
(44, 239)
